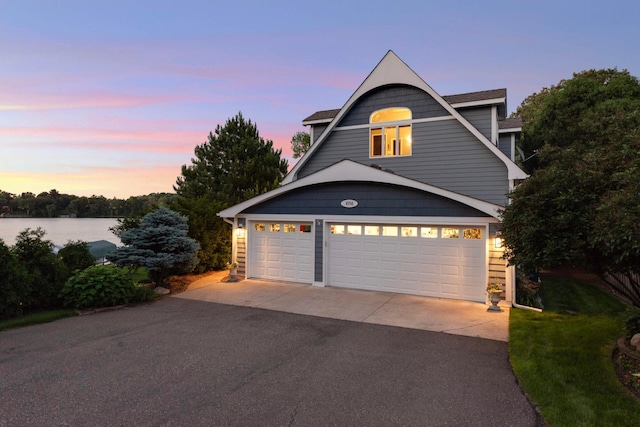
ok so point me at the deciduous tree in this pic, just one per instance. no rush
(581, 204)
(300, 144)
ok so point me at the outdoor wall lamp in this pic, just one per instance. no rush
(240, 231)
(497, 241)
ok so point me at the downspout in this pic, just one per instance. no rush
(515, 287)
(525, 307)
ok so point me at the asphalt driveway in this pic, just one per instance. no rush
(185, 362)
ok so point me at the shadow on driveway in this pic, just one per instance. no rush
(185, 362)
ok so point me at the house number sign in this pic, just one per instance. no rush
(349, 203)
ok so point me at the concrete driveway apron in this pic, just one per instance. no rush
(381, 308)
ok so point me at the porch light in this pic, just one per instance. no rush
(497, 241)
(240, 231)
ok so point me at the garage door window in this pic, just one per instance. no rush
(305, 228)
(409, 231)
(371, 230)
(337, 229)
(472, 233)
(259, 227)
(450, 233)
(274, 228)
(354, 229)
(429, 232)
(389, 231)
(289, 228)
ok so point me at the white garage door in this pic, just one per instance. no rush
(281, 251)
(438, 261)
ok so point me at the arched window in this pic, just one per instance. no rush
(390, 132)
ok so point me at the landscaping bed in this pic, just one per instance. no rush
(627, 365)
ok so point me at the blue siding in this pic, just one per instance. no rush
(422, 105)
(373, 199)
(504, 144)
(480, 118)
(445, 154)
(317, 131)
(319, 250)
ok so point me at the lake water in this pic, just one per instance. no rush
(60, 230)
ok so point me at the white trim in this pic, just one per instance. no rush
(389, 70)
(347, 170)
(375, 219)
(316, 122)
(494, 124)
(414, 121)
(492, 101)
(510, 130)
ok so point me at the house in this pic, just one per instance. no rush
(400, 191)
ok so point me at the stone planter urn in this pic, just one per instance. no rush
(494, 299)
(233, 272)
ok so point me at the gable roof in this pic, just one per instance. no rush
(392, 70)
(348, 170)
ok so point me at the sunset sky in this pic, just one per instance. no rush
(111, 97)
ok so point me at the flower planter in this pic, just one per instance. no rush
(494, 299)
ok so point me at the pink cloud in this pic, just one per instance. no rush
(159, 141)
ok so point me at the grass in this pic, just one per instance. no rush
(563, 356)
(35, 318)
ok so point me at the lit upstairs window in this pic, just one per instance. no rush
(390, 132)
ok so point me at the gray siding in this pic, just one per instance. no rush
(445, 154)
(317, 131)
(319, 249)
(480, 118)
(373, 199)
(422, 105)
(504, 144)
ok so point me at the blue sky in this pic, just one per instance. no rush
(110, 98)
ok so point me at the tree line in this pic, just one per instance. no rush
(53, 204)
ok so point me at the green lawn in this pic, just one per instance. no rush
(35, 318)
(563, 356)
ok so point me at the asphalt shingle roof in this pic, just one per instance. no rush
(510, 123)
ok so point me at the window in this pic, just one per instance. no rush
(409, 231)
(305, 228)
(450, 233)
(472, 233)
(390, 132)
(274, 228)
(371, 230)
(259, 227)
(289, 228)
(389, 231)
(337, 229)
(354, 229)
(429, 232)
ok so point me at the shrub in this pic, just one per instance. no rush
(76, 256)
(46, 272)
(143, 293)
(633, 323)
(14, 288)
(98, 286)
